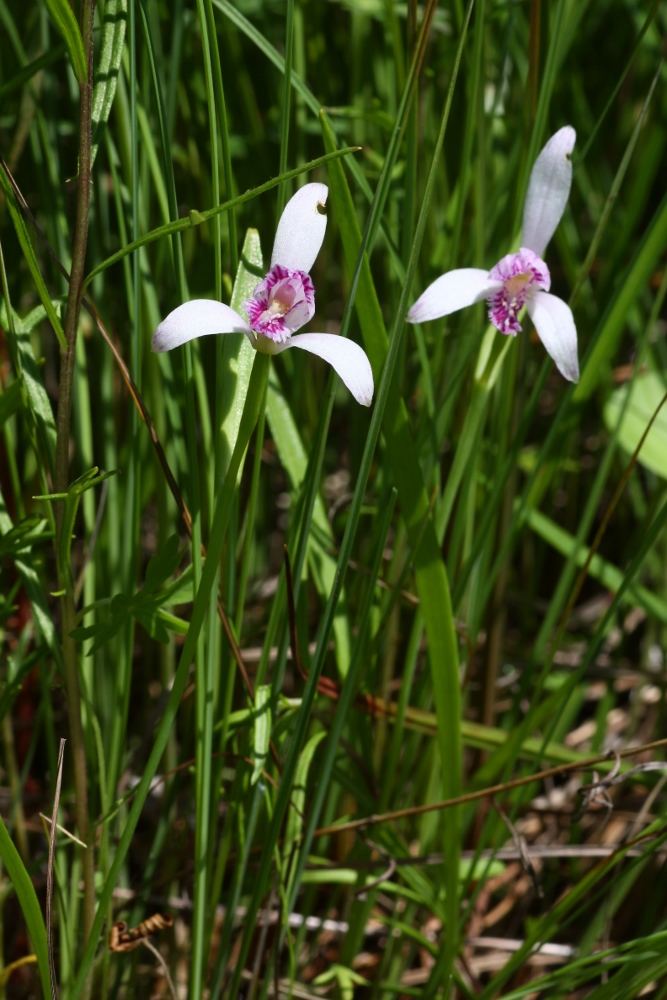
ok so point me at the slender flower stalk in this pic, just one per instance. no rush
(61, 477)
(521, 279)
(281, 303)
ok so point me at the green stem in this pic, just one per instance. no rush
(67, 356)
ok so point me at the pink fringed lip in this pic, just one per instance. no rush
(521, 274)
(281, 303)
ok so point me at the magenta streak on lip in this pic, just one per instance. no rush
(521, 274)
(280, 304)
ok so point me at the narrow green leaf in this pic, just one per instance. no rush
(196, 218)
(24, 360)
(107, 68)
(647, 391)
(614, 319)
(295, 815)
(10, 401)
(605, 572)
(262, 730)
(66, 23)
(29, 254)
(162, 566)
(28, 902)
(238, 351)
(27, 73)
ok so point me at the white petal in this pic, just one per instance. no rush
(345, 357)
(301, 228)
(452, 291)
(197, 318)
(554, 323)
(548, 191)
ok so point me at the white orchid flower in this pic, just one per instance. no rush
(281, 303)
(521, 278)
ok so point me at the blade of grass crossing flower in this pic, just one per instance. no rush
(256, 37)
(196, 218)
(216, 541)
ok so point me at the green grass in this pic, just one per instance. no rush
(462, 622)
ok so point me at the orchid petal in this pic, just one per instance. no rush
(345, 357)
(451, 292)
(548, 191)
(554, 323)
(198, 318)
(301, 229)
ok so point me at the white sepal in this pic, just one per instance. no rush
(554, 323)
(451, 292)
(301, 229)
(345, 357)
(548, 191)
(198, 318)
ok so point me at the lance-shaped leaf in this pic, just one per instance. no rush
(31, 260)
(65, 22)
(107, 68)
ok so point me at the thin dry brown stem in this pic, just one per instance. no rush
(482, 793)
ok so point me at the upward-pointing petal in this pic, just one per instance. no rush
(198, 318)
(452, 291)
(554, 323)
(301, 228)
(548, 191)
(345, 357)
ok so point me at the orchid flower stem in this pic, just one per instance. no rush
(223, 506)
(67, 356)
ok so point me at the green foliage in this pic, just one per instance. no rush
(146, 604)
(280, 752)
(631, 408)
(66, 23)
(28, 901)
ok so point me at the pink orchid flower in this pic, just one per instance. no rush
(281, 303)
(521, 279)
